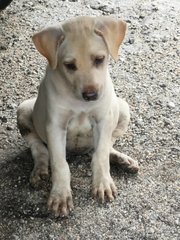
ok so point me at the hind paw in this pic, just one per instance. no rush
(38, 175)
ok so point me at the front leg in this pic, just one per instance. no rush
(60, 199)
(103, 185)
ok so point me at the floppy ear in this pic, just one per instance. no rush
(47, 42)
(112, 31)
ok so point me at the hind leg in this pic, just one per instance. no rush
(41, 159)
(126, 162)
(123, 119)
(38, 149)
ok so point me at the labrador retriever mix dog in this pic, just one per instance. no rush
(76, 108)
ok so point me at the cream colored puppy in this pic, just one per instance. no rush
(76, 108)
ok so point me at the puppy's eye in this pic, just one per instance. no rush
(70, 66)
(98, 60)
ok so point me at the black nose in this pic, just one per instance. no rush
(90, 95)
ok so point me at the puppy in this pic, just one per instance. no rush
(76, 108)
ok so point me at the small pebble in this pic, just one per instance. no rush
(9, 128)
(171, 104)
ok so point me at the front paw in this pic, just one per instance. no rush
(104, 188)
(60, 202)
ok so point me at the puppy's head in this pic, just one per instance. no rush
(79, 50)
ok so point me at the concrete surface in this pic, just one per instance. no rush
(147, 74)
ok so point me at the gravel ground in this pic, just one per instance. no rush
(148, 76)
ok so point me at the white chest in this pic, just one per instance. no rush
(80, 133)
